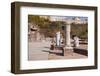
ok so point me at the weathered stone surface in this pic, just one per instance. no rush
(67, 51)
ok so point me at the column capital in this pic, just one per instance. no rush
(68, 22)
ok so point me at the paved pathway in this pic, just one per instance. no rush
(41, 51)
(37, 51)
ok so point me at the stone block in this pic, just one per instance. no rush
(67, 51)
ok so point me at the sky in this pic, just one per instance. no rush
(68, 17)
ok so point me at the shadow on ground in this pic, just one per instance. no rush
(81, 51)
(53, 52)
(75, 50)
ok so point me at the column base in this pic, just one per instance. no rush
(67, 51)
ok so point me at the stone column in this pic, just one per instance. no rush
(67, 49)
(67, 36)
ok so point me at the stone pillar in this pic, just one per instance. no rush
(67, 36)
(67, 50)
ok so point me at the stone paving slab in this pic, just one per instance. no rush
(35, 51)
(70, 56)
(41, 51)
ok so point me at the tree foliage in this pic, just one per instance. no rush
(80, 30)
(49, 28)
